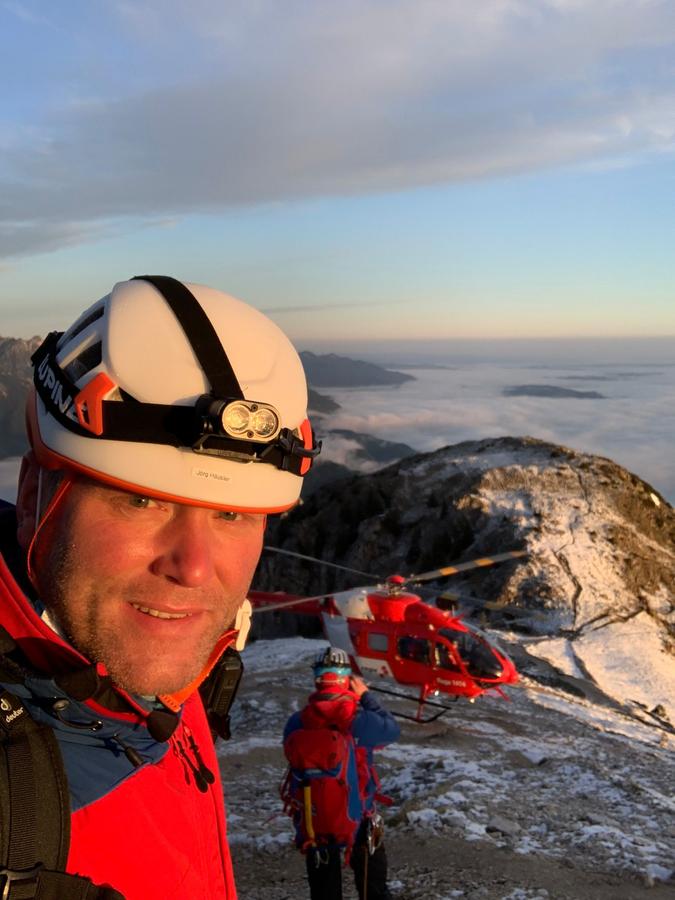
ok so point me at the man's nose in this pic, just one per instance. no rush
(185, 556)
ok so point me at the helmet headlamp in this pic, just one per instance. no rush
(242, 419)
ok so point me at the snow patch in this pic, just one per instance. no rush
(272, 656)
(610, 657)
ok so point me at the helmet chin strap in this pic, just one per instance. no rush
(41, 518)
(236, 636)
(175, 701)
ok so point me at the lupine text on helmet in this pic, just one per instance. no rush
(47, 377)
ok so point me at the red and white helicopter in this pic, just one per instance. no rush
(390, 632)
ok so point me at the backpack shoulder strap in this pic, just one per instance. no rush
(34, 807)
(32, 778)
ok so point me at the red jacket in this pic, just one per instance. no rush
(147, 831)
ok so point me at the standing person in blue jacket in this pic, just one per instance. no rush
(342, 704)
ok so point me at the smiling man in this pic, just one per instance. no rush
(165, 424)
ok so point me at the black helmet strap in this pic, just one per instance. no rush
(200, 333)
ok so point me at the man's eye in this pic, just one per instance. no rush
(228, 515)
(139, 502)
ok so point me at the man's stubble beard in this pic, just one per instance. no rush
(101, 643)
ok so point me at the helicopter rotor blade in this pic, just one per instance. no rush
(431, 594)
(481, 563)
(322, 562)
(287, 604)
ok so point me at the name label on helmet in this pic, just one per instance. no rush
(204, 473)
(51, 383)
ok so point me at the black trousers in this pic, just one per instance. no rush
(324, 871)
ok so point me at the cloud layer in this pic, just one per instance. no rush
(222, 105)
(633, 425)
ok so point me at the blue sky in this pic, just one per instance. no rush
(371, 169)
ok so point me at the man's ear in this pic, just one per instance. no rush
(26, 500)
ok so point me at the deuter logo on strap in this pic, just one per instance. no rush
(11, 709)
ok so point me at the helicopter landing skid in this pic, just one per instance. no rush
(421, 704)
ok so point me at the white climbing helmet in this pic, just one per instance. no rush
(332, 661)
(177, 391)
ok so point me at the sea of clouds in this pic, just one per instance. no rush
(633, 423)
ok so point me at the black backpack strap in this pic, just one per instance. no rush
(40, 884)
(35, 813)
(34, 779)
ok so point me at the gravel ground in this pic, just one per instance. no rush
(546, 796)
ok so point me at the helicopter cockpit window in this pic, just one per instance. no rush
(378, 642)
(414, 649)
(464, 642)
(444, 657)
(478, 657)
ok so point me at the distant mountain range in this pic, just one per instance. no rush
(330, 370)
(346, 452)
(15, 380)
(15, 354)
(321, 403)
(549, 390)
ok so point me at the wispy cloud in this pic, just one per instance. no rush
(17, 238)
(25, 13)
(265, 102)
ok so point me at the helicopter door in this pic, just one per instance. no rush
(414, 649)
(413, 660)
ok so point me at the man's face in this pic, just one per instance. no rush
(145, 586)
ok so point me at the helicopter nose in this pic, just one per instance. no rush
(481, 663)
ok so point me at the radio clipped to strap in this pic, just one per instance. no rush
(219, 690)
